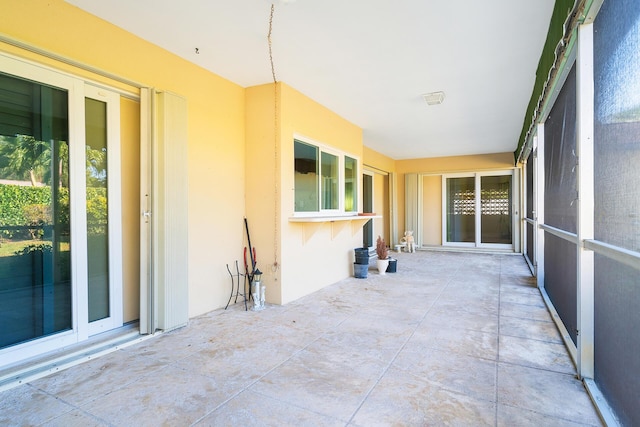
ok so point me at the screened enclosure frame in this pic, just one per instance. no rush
(578, 53)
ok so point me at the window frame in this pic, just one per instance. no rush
(341, 155)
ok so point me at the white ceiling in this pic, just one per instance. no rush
(370, 61)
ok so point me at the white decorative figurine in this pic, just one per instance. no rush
(409, 241)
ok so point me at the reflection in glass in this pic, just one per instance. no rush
(329, 181)
(461, 209)
(35, 252)
(350, 184)
(495, 206)
(306, 177)
(97, 226)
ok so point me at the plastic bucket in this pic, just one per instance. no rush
(360, 271)
(362, 256)
(393, 265)
(364, 260)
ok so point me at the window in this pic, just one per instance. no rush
(306, 177)
(329, 181)
(326, 180)
(350, 184)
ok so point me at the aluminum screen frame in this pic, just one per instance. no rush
(617, 204)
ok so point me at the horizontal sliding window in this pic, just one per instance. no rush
(329, 181)
(350, 184)
(306, 177)
(326, 180)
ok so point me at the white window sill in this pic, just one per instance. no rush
(311, 224)
(332, 218)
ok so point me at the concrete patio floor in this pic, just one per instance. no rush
(456, 339)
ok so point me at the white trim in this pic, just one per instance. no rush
(77, 89)
(602, 406)
(538, 182)
(624, 256)
(564, 235)
(477, 189)
(534, 199)
(78, 210)
(477, 175)
(591, 14)
(393, 208)
(566, 336)
(585, 218)
(340, 154)
(114, 209)
(418, 233)
(66, 60)
(74, 88)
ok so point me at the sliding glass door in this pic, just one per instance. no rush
(60, 267)
(461, 209)
(479, 210)
(496, 223)
(35, 233)
(103, 238)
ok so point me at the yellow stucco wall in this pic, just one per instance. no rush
(309, 256)
(216, 134)
(373, 159)
(130, 170)
(262, 205)
(432, 210)
(443, 165)
(381, 166)
(315, 256)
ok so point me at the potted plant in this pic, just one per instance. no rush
(383, 255)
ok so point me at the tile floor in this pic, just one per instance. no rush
(450, 339)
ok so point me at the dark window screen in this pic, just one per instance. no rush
(617, 204)
(560, 205)
(617, 342)
(530, 238)
(529, 178)
(560, 265)
(529, 227)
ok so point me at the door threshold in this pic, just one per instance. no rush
(494, 251)
(63, 358)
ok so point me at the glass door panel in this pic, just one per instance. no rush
(367, 206)
(495, 209)
(461, 210)
(97, 201)
(35, 250)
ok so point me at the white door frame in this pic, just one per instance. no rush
(515, 213)
(77, 90)
(114, 207)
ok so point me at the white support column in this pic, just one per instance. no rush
(393, 208)
(538, 182)
(585, 180)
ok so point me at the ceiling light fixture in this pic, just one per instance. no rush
(434, 98)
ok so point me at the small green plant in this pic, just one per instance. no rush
(39, 247)
(381, 248)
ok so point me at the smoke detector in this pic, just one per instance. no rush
(434, 98)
